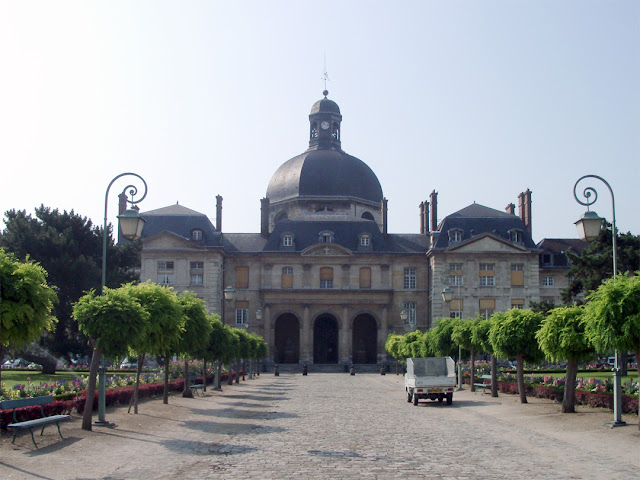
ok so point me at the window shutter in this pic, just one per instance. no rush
(242, 277)
(242, 305)
(487, 273)
(517, 278)
(487, 304)
(365, 277)
(517, 301)
(456, 305)
(287, 280)
(326, 274)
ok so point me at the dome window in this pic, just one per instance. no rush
(367, 216)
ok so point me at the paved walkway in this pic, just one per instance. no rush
(332, 426)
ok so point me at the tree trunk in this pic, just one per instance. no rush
(216, 380)
(569, 399)
(1, 357)
(244, 368)
(494, 376)
(165, 393)
(230, 375)
(238, 371)
(624, 362)
(136, 386)
(186, 391)
(473, 373)
(204, 367)
(397, 366)
(87, 415)
(520, 375)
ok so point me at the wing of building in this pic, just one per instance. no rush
(323, 281)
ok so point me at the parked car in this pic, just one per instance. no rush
(126, 363)
(14, 363)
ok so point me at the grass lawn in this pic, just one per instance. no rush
(14, 377)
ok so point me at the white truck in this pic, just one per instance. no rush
(431, 378)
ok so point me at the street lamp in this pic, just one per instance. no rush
(447, 296)
(589, 227)
(131, 224)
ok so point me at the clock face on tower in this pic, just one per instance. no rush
(324, 125)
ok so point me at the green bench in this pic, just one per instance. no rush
(486, 383)
(29, 424)
(196, 388)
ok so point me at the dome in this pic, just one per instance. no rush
(325, 106)
(324, 173)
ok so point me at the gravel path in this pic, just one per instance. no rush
(332, 426)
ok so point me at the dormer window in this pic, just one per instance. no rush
(326, 237)
(516, 236)
(455, 236)
(365, 240)
(287, 241)
(196, 235)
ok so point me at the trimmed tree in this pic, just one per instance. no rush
(392, 347)
(411, 345)
(513, 334)
(440, 342)
(162, 333)
(195, 337)
(480, 335)
(112, 321)
(612, 316)
(561, 337)
(462, 336)
(26, 301)
(216, 347)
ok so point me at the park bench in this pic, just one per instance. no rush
(196, 387)
(44, 420)
(486, 383)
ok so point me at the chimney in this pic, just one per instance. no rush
(425, 218)
(521, 206)
(218, 213)
(384, 216)
(527, 211)
(510, 209)
(433, 198)
(422, 218)
(264, 216)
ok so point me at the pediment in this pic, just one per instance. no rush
(487, 243)
(169, 240)
(326, 250)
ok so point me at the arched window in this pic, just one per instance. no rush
(367, 216)
(281, 216)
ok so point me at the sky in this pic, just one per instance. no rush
(475, 100)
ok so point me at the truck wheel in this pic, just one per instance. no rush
(440, 399)
(415, 400)
(409, 397)
(449, 398)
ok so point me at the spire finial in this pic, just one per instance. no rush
(325, 77)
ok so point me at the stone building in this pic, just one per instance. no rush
(323, 281)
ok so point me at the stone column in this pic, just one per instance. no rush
(306, 337)
(382, 333)
(269, 332)
(345, 335)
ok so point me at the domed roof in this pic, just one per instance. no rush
(324, 173)
(325, 106)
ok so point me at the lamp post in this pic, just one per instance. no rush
(227, 295)
(589, 226)
(447, 296)
(131, 224)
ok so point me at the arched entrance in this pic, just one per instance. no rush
(365, 340)
(325, 340)
(287, 339)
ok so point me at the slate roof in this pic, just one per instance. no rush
(477, 219)
(180, 221)
(562, 245)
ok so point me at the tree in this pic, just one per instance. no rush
(392, 347)
(543, 306)
(612, 315)
(112, 321)
(162, 334)
(195, 337)
(69, 247)
(411, 345)
(513, 334)
(216, 347)
(440, 341)
(480, 334)
(594, 264)
(245, 347)
(230, 352)
(562, 337)
(26, 301)
(462, 335)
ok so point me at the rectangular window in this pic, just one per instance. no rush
(455, 267)
(287, 277)
(197, 279)
(196, 273)
(197, 265)
(364, 240)
(487, 307)
(326, 277)
(242, 277)
(242, 312)
(487, 267)
(455, 275)
(517, 275)
(326, 238)
(410, 308)
(365, 277)
(487, 281)
(517, 303)
(165, 265)
(409, 278)
(165, 278)
(487, 275)
(548, 282)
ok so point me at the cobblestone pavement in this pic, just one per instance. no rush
(332, 426)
